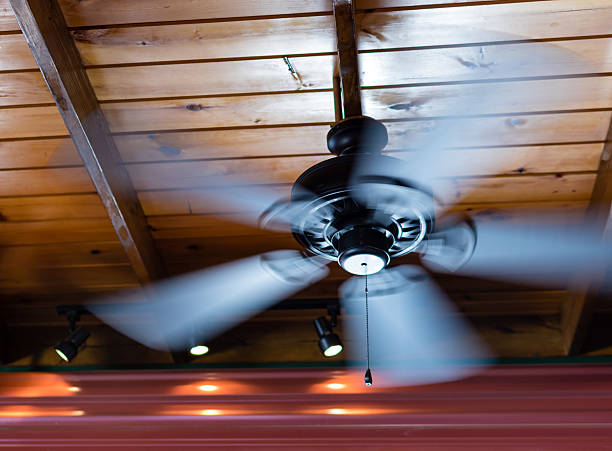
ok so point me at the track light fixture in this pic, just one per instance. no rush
(68, 348)
(329, 342)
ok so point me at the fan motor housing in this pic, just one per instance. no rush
(337, 223)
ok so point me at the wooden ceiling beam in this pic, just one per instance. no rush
(47, 35)
(348, 65)
(585, 289)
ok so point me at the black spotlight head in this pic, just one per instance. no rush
(329, 342)
(68, 348)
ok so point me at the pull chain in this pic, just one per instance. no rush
(368, 373)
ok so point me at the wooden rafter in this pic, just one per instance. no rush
(344, 16)
(46, 32)
(584, 291)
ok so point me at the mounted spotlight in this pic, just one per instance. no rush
(68, 348)
(329, 342)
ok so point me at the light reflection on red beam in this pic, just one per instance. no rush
(23, 411)
(584, 390)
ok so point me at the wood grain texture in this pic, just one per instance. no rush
(98, 12)
(508, 130)
(262, 142)
(490, 98)
(52, 207)
(414, 103)
(47, 35)
(485, 23)
(511, 160)
(274, 37)
(31, 122)
(398, 103)
(210, 112)
(482, 62)
(232, 77)
(376, 69)
(246, 143)
(15, 53)
(522, 160)
(56, 231)
(295, 36)
(7, 18)
(376, 31)
(39, 153)
(306, 140)
(585, 289)
(569, 187)
(184, 179)
(348, 64)
(23, 88)
(124, 11)
(60, 280)
(27, 182)
(64, 255)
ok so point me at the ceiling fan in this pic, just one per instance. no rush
(363, 210)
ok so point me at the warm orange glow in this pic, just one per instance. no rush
(350, 410)
(203, 410)
(219, 387)
(74, 389)
(348, 383)
(33, 385)
(34, 411)
(208, 388)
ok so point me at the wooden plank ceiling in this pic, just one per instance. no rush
(192, 88)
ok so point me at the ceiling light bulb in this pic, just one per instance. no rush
(198, 350)
(333, 350)
(363, 264)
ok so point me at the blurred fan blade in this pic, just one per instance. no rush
(253, 204)
(208, 302)
(538, 250)
(416, 336)
(498, 87)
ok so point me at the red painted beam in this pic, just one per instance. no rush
(558, 407)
